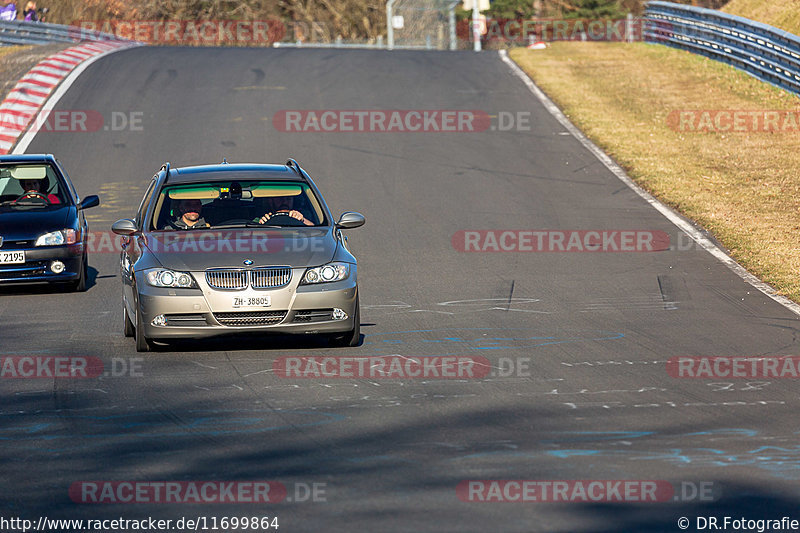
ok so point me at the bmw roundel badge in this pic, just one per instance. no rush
(248, 262)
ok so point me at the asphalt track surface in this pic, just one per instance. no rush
(596, 402)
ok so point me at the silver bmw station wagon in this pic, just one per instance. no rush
(236, 248)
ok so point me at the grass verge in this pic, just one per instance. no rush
(783, 14)
(742, 187)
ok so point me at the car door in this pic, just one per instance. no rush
(131, 251)
(83, 225)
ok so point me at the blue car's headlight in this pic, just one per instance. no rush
(57, 238)
(162, 277)
(326, 273)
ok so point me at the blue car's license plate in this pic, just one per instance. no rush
(11, 258)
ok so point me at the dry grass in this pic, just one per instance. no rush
(6, 50)
(744, 188)
(783, 14)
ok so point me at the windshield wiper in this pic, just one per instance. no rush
(13, 203)
(248, 225)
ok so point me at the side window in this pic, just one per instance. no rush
(72, 192)
(145, 201)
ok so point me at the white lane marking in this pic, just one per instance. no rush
(51, 102)
(668, 213)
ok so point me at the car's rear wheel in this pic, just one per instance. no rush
(128, 329)
(143, 344)
(352, 337)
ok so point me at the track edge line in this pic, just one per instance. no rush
(671, 215)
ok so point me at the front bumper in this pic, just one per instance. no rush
(204, 312)
(37, 265)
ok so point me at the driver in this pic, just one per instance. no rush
(35, 188)
(282, 205)
(189, 215)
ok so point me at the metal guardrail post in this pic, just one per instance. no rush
(476, 30)
(629, 28)
(451, 23)
(389, 25)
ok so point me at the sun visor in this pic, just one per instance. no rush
(194, 193)
(29, 173)
(270, 191)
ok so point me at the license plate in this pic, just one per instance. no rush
(252, 302)
(11, 258)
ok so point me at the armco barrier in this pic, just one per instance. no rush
(763, 51)
(22, 32)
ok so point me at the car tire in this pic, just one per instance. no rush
(143, 344)
(79, 285)
(352, 337)
(128, 329)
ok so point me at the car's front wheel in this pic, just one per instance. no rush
(128, 329)
(143, 344)
(79, 285)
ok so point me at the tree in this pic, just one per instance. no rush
(597, 9)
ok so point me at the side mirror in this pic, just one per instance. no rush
(350, 220)
(125, 227)
(89, 201)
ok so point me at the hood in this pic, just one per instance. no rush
(197, 250)
(27, 223)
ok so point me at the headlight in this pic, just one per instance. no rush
(57, 238)
(161, 277)
(326, 273)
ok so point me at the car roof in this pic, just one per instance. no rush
(28, 158)
(227, 171)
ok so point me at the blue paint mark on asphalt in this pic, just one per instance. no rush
(779, 461)
(590, 436)
(731, 431)
(483, 342)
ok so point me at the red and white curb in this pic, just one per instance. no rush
(31, 92)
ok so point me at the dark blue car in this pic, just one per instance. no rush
(43, 232)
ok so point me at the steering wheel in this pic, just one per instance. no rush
(284, 219)
(32, 194)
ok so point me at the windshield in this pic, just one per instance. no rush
(28, 186)
(232, 203)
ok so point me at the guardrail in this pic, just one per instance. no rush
(23, 32)
(763, 51)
